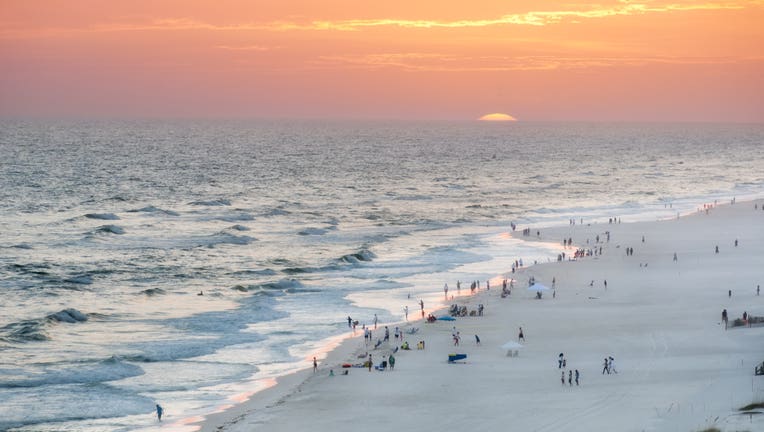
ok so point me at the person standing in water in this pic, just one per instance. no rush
(160, 411)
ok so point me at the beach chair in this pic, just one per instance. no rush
(455, 358)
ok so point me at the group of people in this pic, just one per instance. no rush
(609, 365)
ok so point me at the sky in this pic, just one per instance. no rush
(611, 60)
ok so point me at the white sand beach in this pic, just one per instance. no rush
(678, 369)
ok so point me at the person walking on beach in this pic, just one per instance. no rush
(570, 377)
(375, 321)
(445, 290)
(576, 376)
(521, 336)
(724, 318)
(369, 363)
(562, 378)
(606, 367)
(315, 365)
(611, 365)
(477, 340)
(675, 258)
(391, 361)
(406, 312)
(160, 411)
(559, 361)
(729, 293)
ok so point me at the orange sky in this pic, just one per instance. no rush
(536, 60)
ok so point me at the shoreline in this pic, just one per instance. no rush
(571, 288)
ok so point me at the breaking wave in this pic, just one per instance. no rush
(34, 330)
(102, 216)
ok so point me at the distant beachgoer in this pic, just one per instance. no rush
(757, 289)
(724, 318)
(406, 311)
(160, 411)
(559, 361)
(605, 284)
(562, 378)
(717, 249)
(315, 365)
(606, 367)
(391, 360)
(729, 293)
(375, 321)
(611, 365)
(445, 290)
(521, 336)
(675, 258)
(570, 377)
(369, 363)
(477, 340)
(576, 376)
(735, 242)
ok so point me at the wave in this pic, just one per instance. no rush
(110, 229)
(153, 291)
(107, 370)
(152, 209)
(22, 246)
(34, 330)
(263, 272)
(80, 280)
(277, 212)
(68, 316)
(70, 403)
(236, 217)
(226, 238)
(313, 231)
(102, 216)
(212, 203)
(363, 255)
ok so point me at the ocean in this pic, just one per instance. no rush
(187, 262)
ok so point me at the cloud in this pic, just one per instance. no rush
(246, 47)
(530, 18)
(432, 62)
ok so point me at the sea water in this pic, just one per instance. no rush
(184, 262)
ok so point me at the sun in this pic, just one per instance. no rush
(497, 117)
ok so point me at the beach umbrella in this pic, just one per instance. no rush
(538, 287)
(511, 347)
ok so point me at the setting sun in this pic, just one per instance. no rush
(498, 117)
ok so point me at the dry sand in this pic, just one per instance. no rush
(678, 369)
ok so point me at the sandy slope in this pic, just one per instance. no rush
(678, 369)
